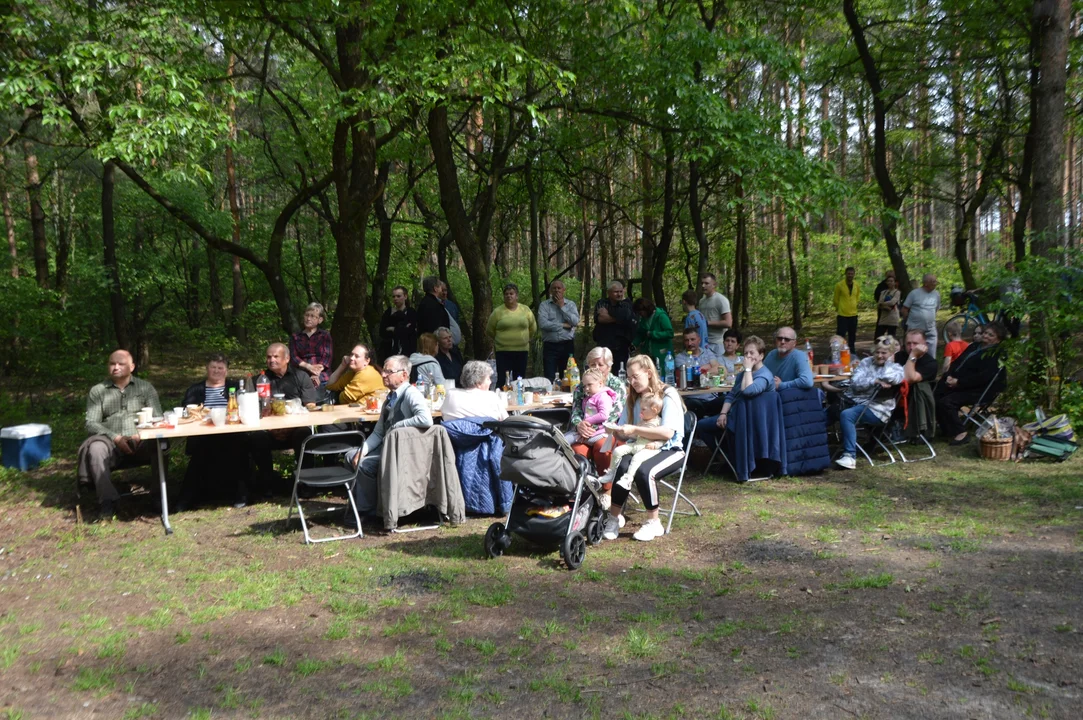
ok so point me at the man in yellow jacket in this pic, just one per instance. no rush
(845, 302)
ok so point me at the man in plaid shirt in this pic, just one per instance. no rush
(111, 410)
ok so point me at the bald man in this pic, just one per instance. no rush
(919, 310)
(292, 382)
(789, 365)
(111, 416)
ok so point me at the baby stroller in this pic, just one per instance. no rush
(556, 499)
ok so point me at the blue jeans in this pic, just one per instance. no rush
(848, 424)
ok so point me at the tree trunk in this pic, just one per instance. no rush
(1030, 144)
(695, 211)
(237, 328)
(739, 306)
(665, 241)
(1051, 18)
(378, 297)
(215, 286)
(9, 219)
(535, 241)
(109, 251)
(891, 198)
(37, 217)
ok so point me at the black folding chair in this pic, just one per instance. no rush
(980, 409)
(872, 434)
(326, 477)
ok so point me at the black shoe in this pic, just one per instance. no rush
(963, 441)
(241, 502)
(108, 509)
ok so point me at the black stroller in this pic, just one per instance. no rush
(556, 499)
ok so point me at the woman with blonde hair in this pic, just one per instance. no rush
(643, 380)
(871, 397)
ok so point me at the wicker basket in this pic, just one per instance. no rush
(996, 448)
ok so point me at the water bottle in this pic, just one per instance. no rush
(836, 351)
(519, 392)
(808, 351)
(670, 379)
(696, 370)
(686, 375)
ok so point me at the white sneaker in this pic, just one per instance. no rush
(621, 521)
(650, 530)
(846, 461)
(607, 500)
(611, 528)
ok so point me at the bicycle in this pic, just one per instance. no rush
(969, 318)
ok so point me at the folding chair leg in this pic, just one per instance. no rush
(930, 456)
(677, 496)
(309, 540)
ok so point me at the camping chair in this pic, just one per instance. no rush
(328, 476)
(980, 409)
(898, 444)
(689, 438)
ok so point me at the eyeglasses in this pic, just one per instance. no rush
(780, 338)
(388, 373)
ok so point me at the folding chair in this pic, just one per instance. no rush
(328, 476)
(978, 411)
(898, 445)
(873, 434)
(689, 438)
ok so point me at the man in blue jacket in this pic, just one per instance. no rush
(789, 365)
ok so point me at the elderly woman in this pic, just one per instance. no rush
(654, 335)
(754, 380)
(669, 432)
(449, 357)
(590, 443)
(216, 462)
(472, 397)
(423, 363)
(310, 349)
(871, 397)
(511, 326)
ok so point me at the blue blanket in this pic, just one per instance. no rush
(806, 431)
(477, 458)
(757, 433)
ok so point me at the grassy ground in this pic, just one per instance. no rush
(946, 589)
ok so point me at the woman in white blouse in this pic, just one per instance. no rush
(473, 398)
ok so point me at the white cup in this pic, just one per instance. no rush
(449, 384)
(218, 416)
(528, 398)
(145, 415)
(178, 411)
(170, 418)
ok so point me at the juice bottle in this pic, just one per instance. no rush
(844, 356)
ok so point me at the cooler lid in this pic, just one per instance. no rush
(21, 432)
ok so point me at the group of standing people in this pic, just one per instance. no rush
(917, 311)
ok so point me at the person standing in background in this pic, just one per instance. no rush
(511, 326)
(879, 289)
(557, 320)
(398, 326)
(694, 318)
(615, 323)
(431, 313)
(887, 309)
(919, 310)
(716, 310)
(847, 292)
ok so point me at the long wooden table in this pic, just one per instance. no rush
(161, 435)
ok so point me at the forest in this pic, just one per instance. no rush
(194, 172)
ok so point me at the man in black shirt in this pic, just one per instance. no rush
(293, 383)
(919, 370)
(398, 326)
(615, 323)
(431, 313)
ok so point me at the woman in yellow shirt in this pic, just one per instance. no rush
(355, 378)
(511, 326)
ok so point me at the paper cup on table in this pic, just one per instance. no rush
(449, 384)
(218, 416)
(528, 398)
(144, 416)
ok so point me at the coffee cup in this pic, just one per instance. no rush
(218, 416)
(145, 415)
(528, 398)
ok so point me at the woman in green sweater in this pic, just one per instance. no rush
(654, 337)
(511, 326)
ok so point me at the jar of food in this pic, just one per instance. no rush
(278, 404)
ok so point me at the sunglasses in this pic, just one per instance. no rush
(784, 339)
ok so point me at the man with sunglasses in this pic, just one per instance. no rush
(789, 365)
(405, 406)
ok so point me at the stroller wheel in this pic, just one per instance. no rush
(574, 550)
(496, 540)
(594, 531)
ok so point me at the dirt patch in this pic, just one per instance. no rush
(764, 551)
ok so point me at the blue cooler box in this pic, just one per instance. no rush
(24, 446)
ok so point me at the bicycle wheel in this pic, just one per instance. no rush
(966, 324)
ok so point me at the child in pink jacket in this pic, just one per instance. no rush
(598, 401)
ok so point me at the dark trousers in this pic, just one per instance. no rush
(555, 356)
(644, 478)
(620, 357)
(705, 405)
(847, 328)
(513, 360)
(99, 456)
(882, 330)
(261, 443)
(948, 404)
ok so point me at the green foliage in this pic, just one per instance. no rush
(1045, 362)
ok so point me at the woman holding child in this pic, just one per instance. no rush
(588, 436)
(653, 425)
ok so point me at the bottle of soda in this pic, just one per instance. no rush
(263, 388)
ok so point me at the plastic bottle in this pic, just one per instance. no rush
(836, 351)
(739, 365)
(263, 388)
(697, 369)
(573, 376)
(557, 384)
(808, 351)
(519, 392)
(669, 369)
(844, 355)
